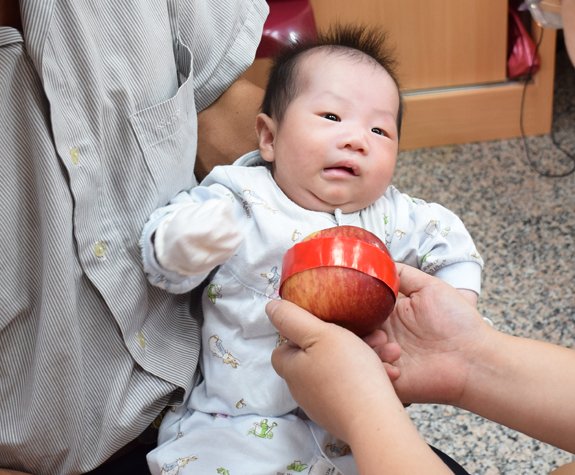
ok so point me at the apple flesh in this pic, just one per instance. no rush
(347, 297)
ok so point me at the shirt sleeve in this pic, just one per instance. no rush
(223, 37)
(433, 239)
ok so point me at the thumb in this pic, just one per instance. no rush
(300, 328)
(294, 323)
(412, 280)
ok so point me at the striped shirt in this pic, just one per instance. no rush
(98, 104)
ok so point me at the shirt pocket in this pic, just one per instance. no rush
(167, 134)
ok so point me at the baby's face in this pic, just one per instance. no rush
(337, 144)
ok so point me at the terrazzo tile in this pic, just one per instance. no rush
(524, 227)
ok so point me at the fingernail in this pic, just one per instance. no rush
(271, 306)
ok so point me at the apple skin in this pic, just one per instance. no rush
(347, 297)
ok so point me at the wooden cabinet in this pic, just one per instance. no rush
(452, 58)
(439, 43)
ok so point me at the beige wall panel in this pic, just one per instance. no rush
(439, 43)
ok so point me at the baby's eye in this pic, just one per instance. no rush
(378, 131)
(330, 116)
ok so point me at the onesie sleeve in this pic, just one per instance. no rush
(433, 239)
(171, 281)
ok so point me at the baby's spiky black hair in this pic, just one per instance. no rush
(355, 40)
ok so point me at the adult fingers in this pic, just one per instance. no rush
(294, 323)
(283, 357)
(301, 329)
(376, 338)
(387, 352)
(393, 373)
(412, 280)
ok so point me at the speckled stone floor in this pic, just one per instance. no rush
(524, 227)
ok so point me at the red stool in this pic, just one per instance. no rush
(288, 20)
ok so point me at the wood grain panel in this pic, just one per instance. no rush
(439, 43)
(485, 113)
(436, 118)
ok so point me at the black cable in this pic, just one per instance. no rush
(553, 138)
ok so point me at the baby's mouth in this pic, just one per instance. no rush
(345, 170)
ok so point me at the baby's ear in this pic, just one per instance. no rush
(266, 131)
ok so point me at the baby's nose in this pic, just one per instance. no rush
(356, 140)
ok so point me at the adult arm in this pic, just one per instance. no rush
(450, 356)
(342, 385)
(470, 296)
(227, 128)
(4, 471)
(568, 13)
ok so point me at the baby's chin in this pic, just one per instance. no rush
(314, 202)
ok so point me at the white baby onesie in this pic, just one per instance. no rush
(241, 418)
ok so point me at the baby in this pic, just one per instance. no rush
(328, 143)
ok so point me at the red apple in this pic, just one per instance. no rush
(331, 289)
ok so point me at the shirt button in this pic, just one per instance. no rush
(75, 155)
(100, 249)
(142, 340)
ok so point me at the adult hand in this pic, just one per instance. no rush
(439, 333)
(341, 384)
(451, 356)
(332, 374)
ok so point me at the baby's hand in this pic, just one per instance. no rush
(197, 237)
